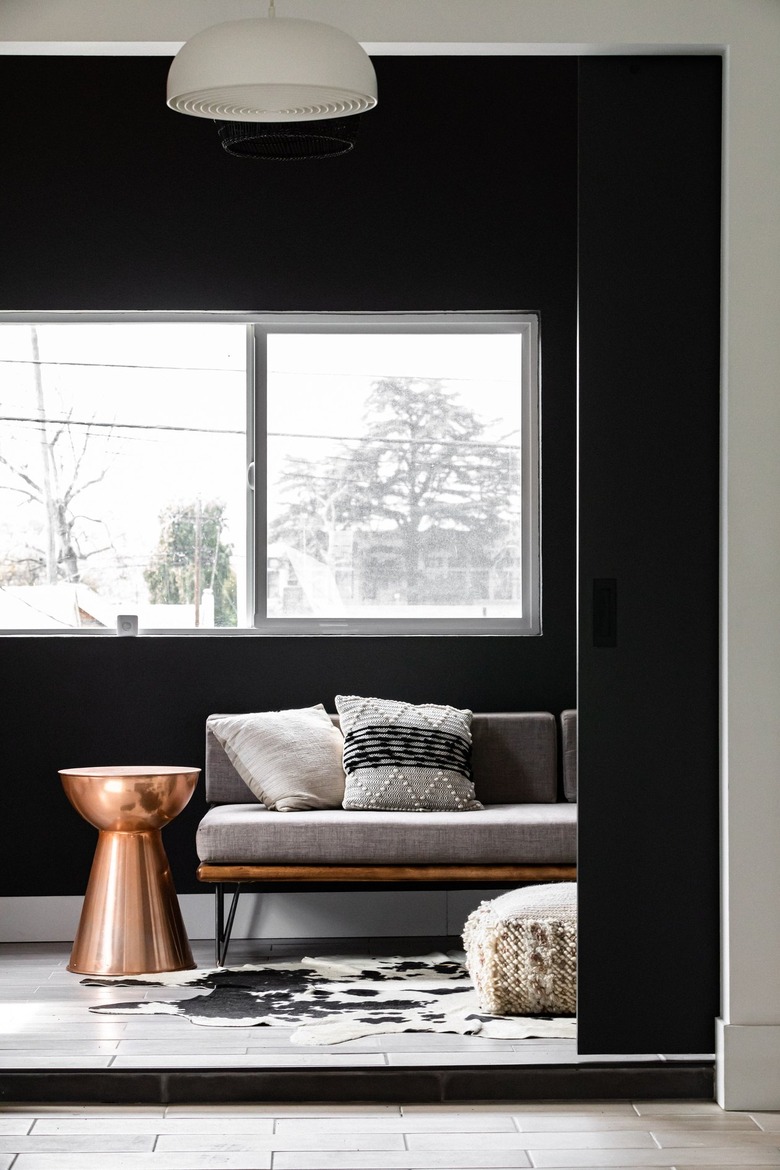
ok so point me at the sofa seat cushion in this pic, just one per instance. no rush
(501, 834)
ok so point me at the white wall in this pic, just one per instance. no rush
(341, 914)
(748, 32)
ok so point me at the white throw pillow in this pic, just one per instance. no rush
(291, 760)
(398, 756)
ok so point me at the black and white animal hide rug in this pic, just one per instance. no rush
(331, 999)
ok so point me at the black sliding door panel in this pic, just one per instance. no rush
(649, 208)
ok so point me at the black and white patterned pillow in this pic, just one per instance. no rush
(406, 757)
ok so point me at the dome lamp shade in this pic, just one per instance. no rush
(271, 69)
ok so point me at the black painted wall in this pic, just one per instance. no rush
(440, 206)
(648, 439)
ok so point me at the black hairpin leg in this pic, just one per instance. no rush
(222, 929)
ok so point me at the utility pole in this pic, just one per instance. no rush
(51, 517)
(198, 525)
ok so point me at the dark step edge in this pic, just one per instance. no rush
(689, 1080)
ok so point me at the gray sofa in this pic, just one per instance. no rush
(524, 833)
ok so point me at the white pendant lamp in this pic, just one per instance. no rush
(271, 69)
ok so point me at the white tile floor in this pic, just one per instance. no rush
(45, 1023)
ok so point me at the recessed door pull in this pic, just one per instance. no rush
(605, 611)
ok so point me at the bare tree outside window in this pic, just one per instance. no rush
(53, 488)
(104, 428)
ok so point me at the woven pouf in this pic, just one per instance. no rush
(521, 951)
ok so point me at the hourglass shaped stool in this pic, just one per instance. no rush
(130, 922)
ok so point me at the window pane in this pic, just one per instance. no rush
(394, 475)
(122, 483)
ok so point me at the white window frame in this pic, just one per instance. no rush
(259, 325)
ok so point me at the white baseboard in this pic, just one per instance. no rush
(351, 914)
(747, 1066)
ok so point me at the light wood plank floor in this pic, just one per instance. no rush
(45, 1021)
(670, 1135)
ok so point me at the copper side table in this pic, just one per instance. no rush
(130, 922)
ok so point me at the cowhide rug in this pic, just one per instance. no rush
(331, 999)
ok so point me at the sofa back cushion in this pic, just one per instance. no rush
(514, 761)
(569, 752)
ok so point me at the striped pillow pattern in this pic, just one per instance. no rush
(405, 757)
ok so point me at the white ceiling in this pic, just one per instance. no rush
(382, 26)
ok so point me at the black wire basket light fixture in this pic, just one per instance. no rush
(286, 141)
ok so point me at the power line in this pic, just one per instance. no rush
(403, 442)
(242, 370)
(74, 422)
(125, 366)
